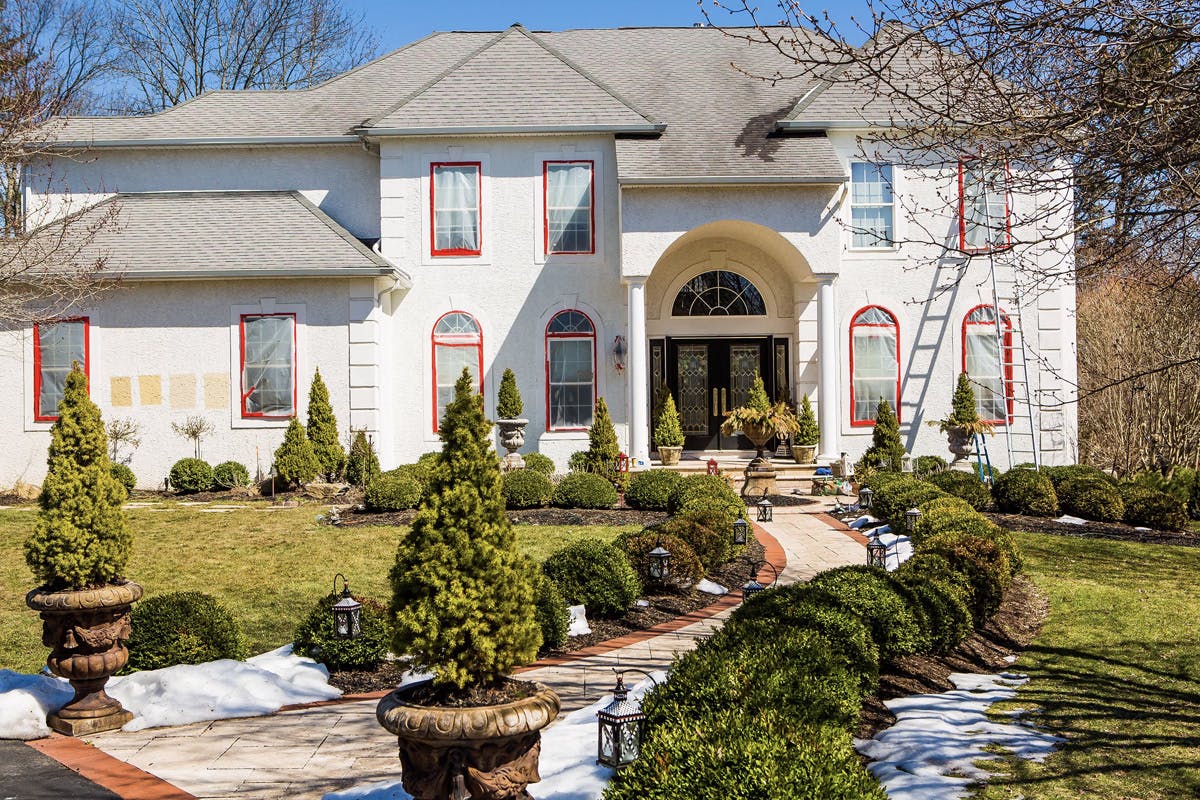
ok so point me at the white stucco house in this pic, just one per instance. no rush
(603, 211)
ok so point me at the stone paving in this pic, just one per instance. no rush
(303, 754)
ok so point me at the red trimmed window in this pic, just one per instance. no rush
(454, 208)
(874, 364)
(457, 343)
(56, 347)
(570, 371)
(268, 347)
(984, 218)
(568, 197)
(987, 360)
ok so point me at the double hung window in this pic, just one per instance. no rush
(872, 210)
(568, 198)
(268, 375)
(57, 346)
(987, 360)
(457, 343)
(983, 206)
(455, 209)
(570, 370)
(874, 364)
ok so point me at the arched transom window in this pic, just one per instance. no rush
(719, 293)
(570, 371)
(987, 360)
(874, 363)
(457, 343)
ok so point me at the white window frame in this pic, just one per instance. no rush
(853, 229)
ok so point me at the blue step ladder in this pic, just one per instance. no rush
(983, 462)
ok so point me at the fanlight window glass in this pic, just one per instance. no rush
(568, 207)
(986, 359)
(57, 346)
(455, 203)
(875, 364)
(719, 293)
(457, 343)
(269, 365)
(571, 371)
(984, 206)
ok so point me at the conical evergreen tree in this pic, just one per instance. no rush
(667, 430)
(322, 431)
(462, 598)
(362, 466)
(295, 461)
(603, 448)
(81, 537)
(509, 404)
(886, 449)
(962, 406)
(808, 432)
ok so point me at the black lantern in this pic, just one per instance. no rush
(659, 562)
(347, 612)
(754, 586)
(621, 721)
(911, 517)
(864, 497)
(766, 511)
(741, 531)
(876, 552)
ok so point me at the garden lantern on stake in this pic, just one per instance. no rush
(753, 586)
(911, 517)
(659, 562)
(766, 510)
(864, 497)
(876, 551)
(741, 531)
(621, 723)
(347, 620)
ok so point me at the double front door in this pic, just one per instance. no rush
(712, 376)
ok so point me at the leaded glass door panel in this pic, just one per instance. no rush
(710, 377)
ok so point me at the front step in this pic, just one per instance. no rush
(789, 474)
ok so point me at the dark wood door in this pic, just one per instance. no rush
(710, 377)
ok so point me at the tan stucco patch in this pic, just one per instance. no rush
(121, 391)
(183, 391)
(150, 390)
(216, 390)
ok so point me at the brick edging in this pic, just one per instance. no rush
(119, 777)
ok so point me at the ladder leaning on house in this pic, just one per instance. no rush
(1020, 434)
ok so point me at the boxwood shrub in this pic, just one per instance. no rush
(696, 490)
(230, 475)
(182, 628)
(525, 488)
(315, 636)
(712, 548)
(1153, 509)
(584, 490)
(1090, 497)
(125, 476)
(550, 608)
(946, 607)
(982, 560)
(964, 485)
(191, 475)
(651, 490)
(872, 594)
(396, 490)
(1058, 475)
(893, 502)
(596, 574)
(539, 463)
(685, 566)
(1025, 491)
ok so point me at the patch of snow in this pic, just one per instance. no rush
(642, 604)
(1140, 528)
(880, 530)
(1067, 519)
(708, 587)
(578, 625)
(863, 522)
(25, 700)
(932, 750)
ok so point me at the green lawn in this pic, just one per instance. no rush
(268, 567)
(1116, 671)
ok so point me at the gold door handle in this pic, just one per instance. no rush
(724, 407)
(715, 407)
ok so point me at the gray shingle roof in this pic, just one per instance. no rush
(225, 234)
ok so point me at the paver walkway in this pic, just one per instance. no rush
(303, 754)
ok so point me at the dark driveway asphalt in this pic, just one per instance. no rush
(26, 774)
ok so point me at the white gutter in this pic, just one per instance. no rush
(734, 180)
(501, 130)
(395, 273)
(205, 141)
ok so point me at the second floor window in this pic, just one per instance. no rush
(454, 198)
(983, 223)
(569, 196)
(872, 211)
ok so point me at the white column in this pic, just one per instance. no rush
(639, 380)
(827, 371)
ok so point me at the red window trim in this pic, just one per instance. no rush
(550, 336)
(962, 210)
(895, 325)
(242, 393)
(1005, 355)
(37, 364)
(546, 207)
(455, 251)
(435, 344)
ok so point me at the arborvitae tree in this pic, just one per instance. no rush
(962, 406)
(295, 461)
(886, 449)
(509, 405)
(322, 431)
(362, 466)
(758, 399)
(667, 430)
(81, 537)
(462, 598)
(808, 434)
(602, 438)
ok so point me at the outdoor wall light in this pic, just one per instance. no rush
(864, 497)
(659, 563)
(766, 510)
(347, 612)
(911, 517)
(753, 586)
(620, 726)
(876, 551)
(741, 531)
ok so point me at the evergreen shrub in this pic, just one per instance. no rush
(1025, 491)
(295, 461)
(651, 489)
(230, 475)
(182, 628)
(924, 466)
(539, 463)
(524, 488)
(553, 616)
(396, 490)
(946, 607)
(1091, 498)
(125, 476)
(714, 515)
(315, 636)
(362, 465)
(947, 518)
(668, 432)
(695, 490)
(191, 475)
(508, 402)
(584, 490)
(1058, 475)
(807, 433)
(886, 449)
(982, 560)
(871, 594)
(596, 574)
(1152, 509)
(965, 485)
(323, 433)
(712, 548)
(685, 567)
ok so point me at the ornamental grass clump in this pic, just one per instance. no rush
(81, 537)
(323, 432)
(462, 598)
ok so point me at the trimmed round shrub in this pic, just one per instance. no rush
(315, 636)
(1091, 498)
(393, 491)
(420, 471)
(524, 488)
(596, 574)
(685, 567)
(925, 466)
(1025, 491)
(712, 548)
(1152, 509)
(898, 498)
(942, 515)
(230, 475)
(584, 490)
(878, 480)
(704, 490)
(539, 463)
(182, 628)
(125, 476)
(946, 607)
(870, 593)
(963, 485)
(933, 568)
(982, 561)
(191, 475)
(1059, 475)
(651, 490)
(553, 616)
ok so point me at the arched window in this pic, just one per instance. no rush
(570, 371)
(719, 293)
(457, 343)
(874, 364)
(987, 360)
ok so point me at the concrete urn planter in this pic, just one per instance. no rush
(486, 752)
(512, 439)
(669, 455)
(804, 453)
(758, 435)
(87, 631)
(959, 439)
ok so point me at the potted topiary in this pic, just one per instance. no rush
(963, 423)
(509, 409)
(463, 609)
(759, 421)
(807, 435)
(668, 432)
(78, 550)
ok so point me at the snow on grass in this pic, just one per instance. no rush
(568, 763)
(709, 587)
(865, 521)
(25, 700)
(899, 547)
(932, 750)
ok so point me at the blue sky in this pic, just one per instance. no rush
(399, 23)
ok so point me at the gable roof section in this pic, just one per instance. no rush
(515, 83)
(226, 234)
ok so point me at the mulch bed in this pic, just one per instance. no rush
(1094, 530)
(1006, 634)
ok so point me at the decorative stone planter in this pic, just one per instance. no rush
(804, 453)
(87, 631)
(959, 439)
(668, 455)
(512, 439)
(487, 752)
(759, 435)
